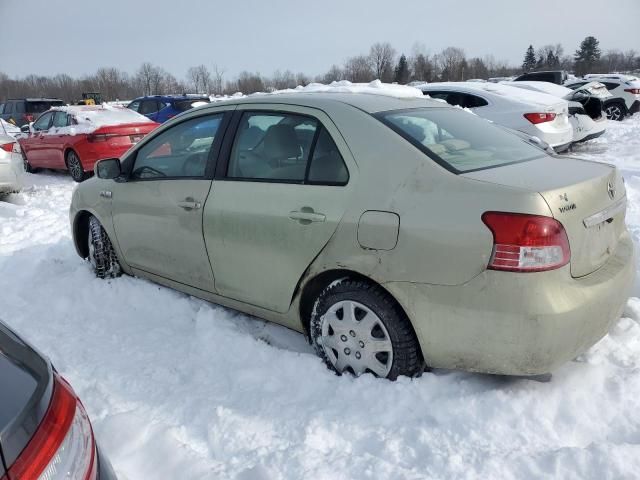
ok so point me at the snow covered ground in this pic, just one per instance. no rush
(178, 388)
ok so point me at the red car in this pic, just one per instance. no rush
(75, 138)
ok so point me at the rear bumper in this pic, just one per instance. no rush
(562, 147)
(517, 324)
(10, 177)
(591, 136)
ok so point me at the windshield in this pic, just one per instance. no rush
(458, 140)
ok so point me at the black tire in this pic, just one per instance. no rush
(406, 353)
(27, 166)
(615, 111)
(74, 165)
(102, 255)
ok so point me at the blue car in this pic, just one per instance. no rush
(161, 108)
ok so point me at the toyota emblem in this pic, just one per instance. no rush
(612, 190)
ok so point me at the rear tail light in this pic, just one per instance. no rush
(526, 243)
(63, 446)
(536, 118)
(100, 137)
(635, 91)
(8, 147)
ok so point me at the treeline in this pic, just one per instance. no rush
(382, 62)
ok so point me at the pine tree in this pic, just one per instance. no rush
(401, 72)
(587, 56)
(529, 59)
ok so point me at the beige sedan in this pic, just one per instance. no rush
(395, 233)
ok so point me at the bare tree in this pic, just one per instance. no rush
(452, 64)
(358, 69)
(382, 58)
(200, 78)
(249, 83)
(334, 74)
(217, 82)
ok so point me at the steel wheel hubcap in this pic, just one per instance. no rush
(354, 339)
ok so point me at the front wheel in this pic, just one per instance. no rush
(357, 327)
(102, 255)
(27, 166)
(615, 111)
(75, 167)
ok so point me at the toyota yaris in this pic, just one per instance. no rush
(396, 233)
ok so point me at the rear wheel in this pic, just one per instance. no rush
(102, 255)
(27, 166)
(75, 167)
(357, 327)
(615, 111)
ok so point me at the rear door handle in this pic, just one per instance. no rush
(189, 204)
(306, 217)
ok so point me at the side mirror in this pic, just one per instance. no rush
(26, 128)
(108, 169)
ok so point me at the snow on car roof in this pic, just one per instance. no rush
(544, 87)
(96, 116)
(512, 93)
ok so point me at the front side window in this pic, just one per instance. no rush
(459, 141)
(181, 151)
(43, 122)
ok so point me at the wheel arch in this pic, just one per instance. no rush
(81, 232)
(314, 285)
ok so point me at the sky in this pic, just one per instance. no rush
(77, 37)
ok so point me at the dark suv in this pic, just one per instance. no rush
(25, 110)
(552, 76)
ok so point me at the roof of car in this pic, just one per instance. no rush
(368, 102)
(35, 99)
(181, 96)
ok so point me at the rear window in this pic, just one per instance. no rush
(39, 107)
(459, 141)
(184, 105)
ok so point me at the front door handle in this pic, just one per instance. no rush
(189, 204)
(306, 216)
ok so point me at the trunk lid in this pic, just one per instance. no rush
(588, 198)
(25, 392)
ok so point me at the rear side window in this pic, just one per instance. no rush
(19, 107)
(8, 108)
(327, 166)
(610, 85)
(135, 105)
(184, 105)
(60, 119)
(459, 141)
(149, 106)
(39, 107)
(285, 147)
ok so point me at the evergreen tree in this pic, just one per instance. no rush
(401, 72)
(552, 60)
(529, 59)
(587, 56)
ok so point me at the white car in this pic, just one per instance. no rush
(11, 167)
(536, 114)
(625, 91)
(586, 105)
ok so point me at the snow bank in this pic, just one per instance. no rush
(344, 86)
(180, 388)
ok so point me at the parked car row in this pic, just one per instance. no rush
(394, 232)
(624, 89)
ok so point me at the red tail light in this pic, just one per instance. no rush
(635, 91)
(99, 137)
(63, 445)
(7, 147)
(28, 117)
(536, 118)
(526, 243)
